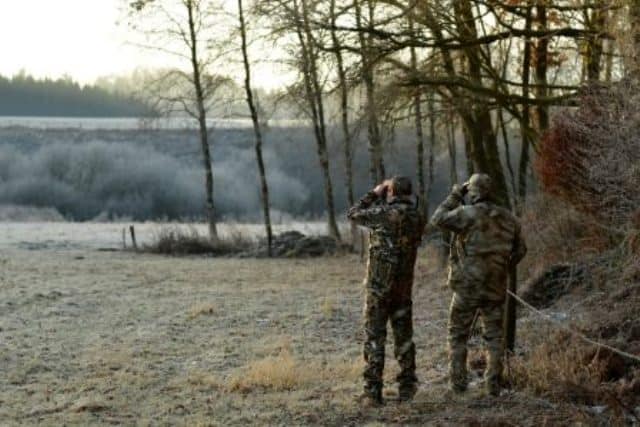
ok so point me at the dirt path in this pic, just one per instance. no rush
(102, 338)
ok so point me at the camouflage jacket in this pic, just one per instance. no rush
(488, 240)
(395, 228)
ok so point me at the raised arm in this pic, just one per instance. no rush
(451, 215)
(366, 212)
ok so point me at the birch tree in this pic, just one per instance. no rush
(180, 30)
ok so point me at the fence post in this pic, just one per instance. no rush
(510, 311)
(133, 237)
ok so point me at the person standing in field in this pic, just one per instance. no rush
(395, 224)
(487, 242)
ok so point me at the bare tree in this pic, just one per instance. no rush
(314, 96)
(525, 119)
(451, 147)
(417, 118)
(376, 161)
(343, 87)
(264, 189)
(177, 28)
(431, 112)
(541, 66)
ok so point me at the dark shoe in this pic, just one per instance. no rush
(406, 392)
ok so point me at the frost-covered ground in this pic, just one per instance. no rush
(60, 235)
(118, 338)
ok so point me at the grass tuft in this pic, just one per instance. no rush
(284, 372)
(202, 309)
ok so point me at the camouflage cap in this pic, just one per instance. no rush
(478, 187)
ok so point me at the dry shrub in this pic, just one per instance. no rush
(285, 372)
(588, 166)
(560, 368)
(202, 309)
(589, 157)
(556, 233)
(181, 241)
(279, 373)
(565, 369)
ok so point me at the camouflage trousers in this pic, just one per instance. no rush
(388, 299)
(461, 314)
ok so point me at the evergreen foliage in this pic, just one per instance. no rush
(24, 95)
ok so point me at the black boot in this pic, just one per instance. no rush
(407, 391)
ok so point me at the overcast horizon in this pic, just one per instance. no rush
(48, 41)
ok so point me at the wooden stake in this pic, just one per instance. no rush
(510, 311)
(133, 237)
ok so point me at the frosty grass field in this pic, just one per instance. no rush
(95, 337)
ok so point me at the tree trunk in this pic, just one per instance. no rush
(344, 119)
(477, 118)
(374, 146)
(507, 151)
(608, 68)
(633, 67)
(494, 165)
(510, 311)
(314, 99)
(202, 123)
(594, 44)
(417, 117)
(451, 147)
(482, 152)
(432, 147)
(542, 55)
(525, 121)
(264, 189)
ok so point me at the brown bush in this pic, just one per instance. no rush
(589, 157)
(556, 232)
(560, 368)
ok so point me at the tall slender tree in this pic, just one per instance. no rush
(264, 188)
(314, 96)
(525, 119)
(374, 145)
(177, 28)
(347, 139)
(417, 119)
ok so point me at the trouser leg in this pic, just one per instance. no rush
(376, 316)
(461, 314)
(404, 348)
(492, 318)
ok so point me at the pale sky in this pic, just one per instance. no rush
(81, 38)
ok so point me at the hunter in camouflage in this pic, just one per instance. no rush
(487, 241)
(392, 216)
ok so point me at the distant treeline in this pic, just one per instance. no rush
(23, 95)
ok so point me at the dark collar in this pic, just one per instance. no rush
(407, 200)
